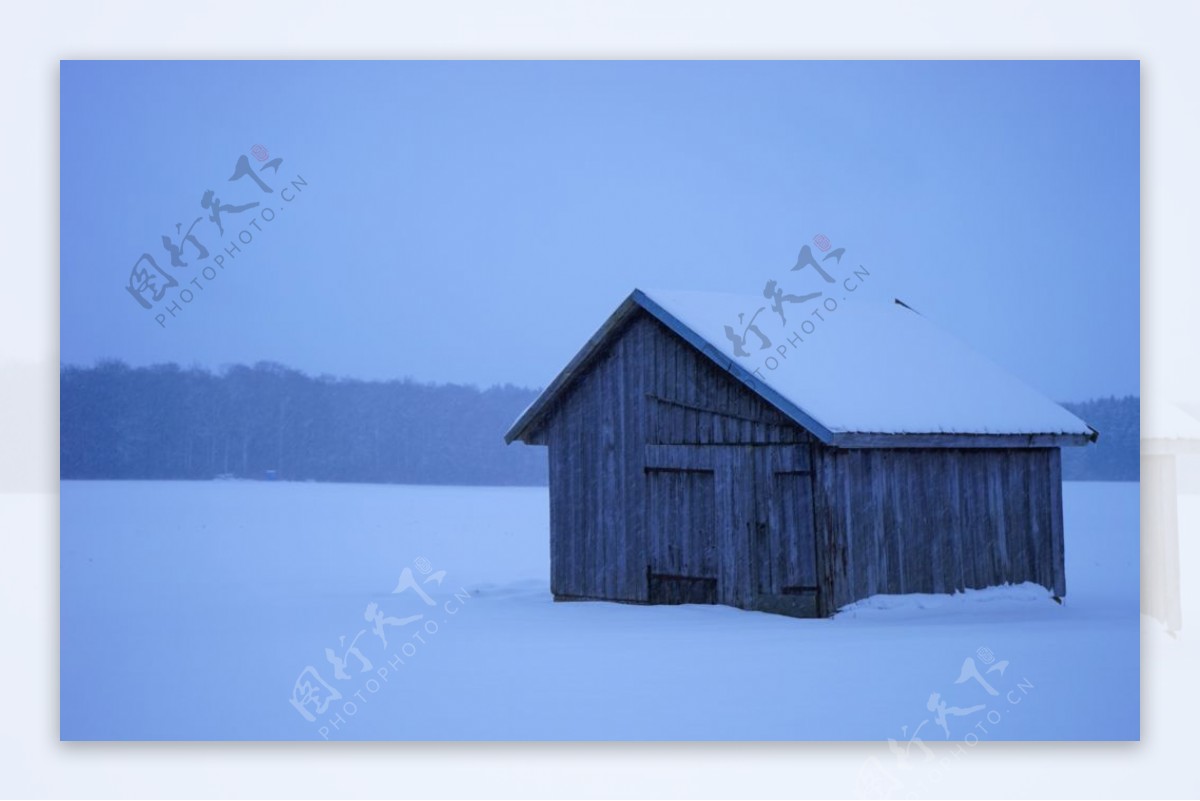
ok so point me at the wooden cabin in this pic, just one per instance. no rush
(878, 455)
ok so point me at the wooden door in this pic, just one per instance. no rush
(783, 549)
(684, 558)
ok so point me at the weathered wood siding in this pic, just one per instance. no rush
(740, 515)
(651, 475)
(901, 521)
(671, 482)
(596, 435)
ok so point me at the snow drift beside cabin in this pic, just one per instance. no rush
(872, 367)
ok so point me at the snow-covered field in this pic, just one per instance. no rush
(191, 609)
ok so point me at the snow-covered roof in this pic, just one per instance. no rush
(868, 373)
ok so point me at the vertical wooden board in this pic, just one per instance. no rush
(675, 521)
(1046, 536)
(953, 507)
(759, 551)
(825, 506)
(887, 544)
(577, 502)
(602, 426)
(585, 538)
(875, 499)
(1039, 531)
(661, 501)
(1017, 513)
(565, 532)
(783, 519)
(589, 489)
(668, 387)
(740, 478)
(887, 516)
(690, 536)
(962, 512)
(716, 398)
(632, 555)
(764, 545)
(609, 484)
(871, 516)
(926, 498)
(592, 438)
(844, 515)
(708, 516)
(832, 532)
(1027, 478)
(557, 585)
(983, 526)
(565, 446)
(798, 547)
(980, 526)
(859, 514)
(898, 520)
(923, 475)
(895, 520)
(742, 485)
(575, 534)
(684, 537)
(1057, 551)
(840, 537)
(947, 490)
(655, 381)
(782, 515)
(615, 541)
(726, 534)
(683, 523)
(802, 567)
(917, 539)
(994, 520)
(702, 391)
(941, 501)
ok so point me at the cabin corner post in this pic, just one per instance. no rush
(1057, 549)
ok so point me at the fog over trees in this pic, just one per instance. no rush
(170, 422)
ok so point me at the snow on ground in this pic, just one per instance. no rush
(190, 609)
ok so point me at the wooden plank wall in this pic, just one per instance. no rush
(937, 520)
(883, 520)
(596, 435)
(653, 389)
(690, 400)
(683, 523)
(739, 514)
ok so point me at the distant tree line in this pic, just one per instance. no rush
(1116, 456)
(167, 422)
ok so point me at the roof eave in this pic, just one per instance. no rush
(531, 416)
(858, 439)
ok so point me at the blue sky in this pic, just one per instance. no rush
(476, 221)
